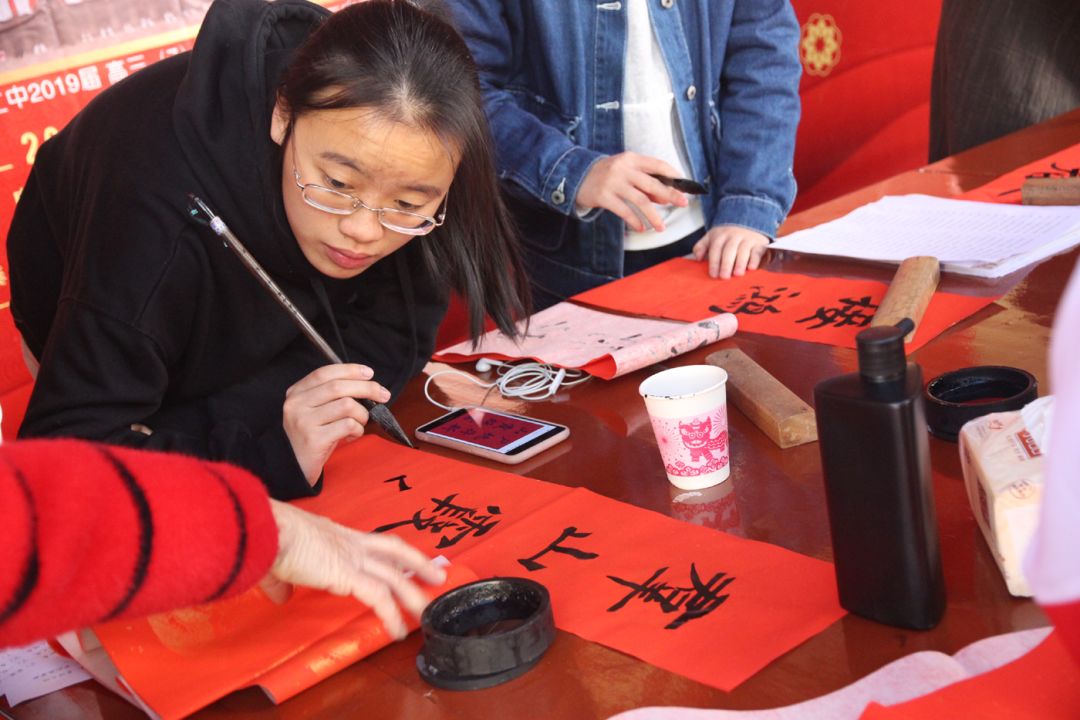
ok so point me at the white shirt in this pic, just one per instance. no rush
(651, 125)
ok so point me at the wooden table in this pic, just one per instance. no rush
(778, 494)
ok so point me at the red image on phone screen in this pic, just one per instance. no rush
(490, 430)
(491, 434)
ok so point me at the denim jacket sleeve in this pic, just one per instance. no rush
(534, 150)
(757, 114)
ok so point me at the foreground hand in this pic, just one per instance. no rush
(320, 411)
(318, 553)
(731, 250)
(620, 183)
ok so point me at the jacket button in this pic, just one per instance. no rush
(558, 196)
(691, 92)
(667, 4)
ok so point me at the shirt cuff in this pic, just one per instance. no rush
(756, 213)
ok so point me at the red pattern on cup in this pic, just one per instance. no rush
(693, 446)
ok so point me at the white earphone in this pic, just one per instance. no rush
(526, 380)
(557, 380)
(484, 365)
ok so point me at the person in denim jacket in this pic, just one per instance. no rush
(573, 89)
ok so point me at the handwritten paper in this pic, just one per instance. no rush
(969, 237)
(800, 307)
(665, 591)
(35, 670)
(1006, 189)
(603, 344)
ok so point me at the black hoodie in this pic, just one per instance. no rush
(140, 315)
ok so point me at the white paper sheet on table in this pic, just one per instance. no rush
(603, 344)
(35, 670)
(971, 238)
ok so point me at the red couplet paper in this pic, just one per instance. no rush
(1006, 189)
(1042, 684)
(712, 607)
(694, 601)
(635, 580)
(800, 307)
(184, 660)
(181, 661)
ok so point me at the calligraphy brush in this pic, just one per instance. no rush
(378, 412)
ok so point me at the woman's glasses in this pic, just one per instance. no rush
(339, 203)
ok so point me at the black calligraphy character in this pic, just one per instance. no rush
(692, 602)
(446, 517)
(1056, 171)
(548, 328)
(400, 480)
(468, 520)
(850, 312)
(758, 303)
(705, 598)
(531, 563)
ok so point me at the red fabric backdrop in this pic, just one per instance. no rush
(865, 92)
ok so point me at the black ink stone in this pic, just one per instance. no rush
(485, 633)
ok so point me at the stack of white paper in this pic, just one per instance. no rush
(972, 238)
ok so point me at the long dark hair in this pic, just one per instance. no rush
(410, 66)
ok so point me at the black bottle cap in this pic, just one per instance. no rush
(881, 351)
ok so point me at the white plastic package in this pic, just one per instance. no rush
(1002, 455)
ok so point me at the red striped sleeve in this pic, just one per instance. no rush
(98, 532)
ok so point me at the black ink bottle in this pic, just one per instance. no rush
(876, 459)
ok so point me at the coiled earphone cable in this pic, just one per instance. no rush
(530, 381)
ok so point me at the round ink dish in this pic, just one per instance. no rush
(956, 397)
(485, 633)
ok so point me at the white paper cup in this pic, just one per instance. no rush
(688, 409)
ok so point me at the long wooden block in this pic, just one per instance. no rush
(780, 414)
(909, 293)
(1051, 191)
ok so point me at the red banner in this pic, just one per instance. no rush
(799, 307)
(34, 104)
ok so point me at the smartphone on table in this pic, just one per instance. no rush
(502, 437)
